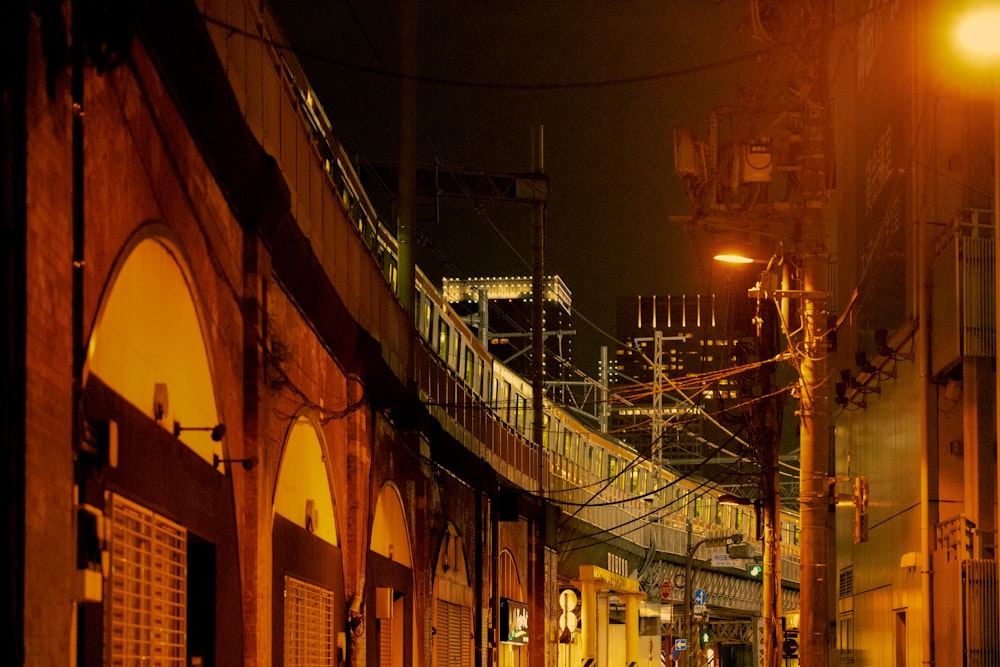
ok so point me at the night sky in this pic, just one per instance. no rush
(608, 80)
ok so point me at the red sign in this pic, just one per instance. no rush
(665, 588)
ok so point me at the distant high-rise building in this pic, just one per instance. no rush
(698, 341)
(500, 310)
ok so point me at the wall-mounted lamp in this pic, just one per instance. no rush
(248, 463)
(846, 401)
(883, 349)
(218, 431)
(849, 381)
(856, 385)
(882, 343)
(861, 359)
(866, 366)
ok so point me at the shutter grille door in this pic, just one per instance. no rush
(147, 588)
(453, 643)
(982, 622)
(309, 636)
(385, 642)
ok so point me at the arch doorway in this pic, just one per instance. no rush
(148, 378)
(390, 595)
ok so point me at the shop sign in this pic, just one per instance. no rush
(513, 622)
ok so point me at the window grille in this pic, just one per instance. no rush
(309, 621)
(147, 588)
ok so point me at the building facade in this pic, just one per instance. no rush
(500, 311)
(915, 424)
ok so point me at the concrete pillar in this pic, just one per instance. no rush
(631, 630)
(588, 616)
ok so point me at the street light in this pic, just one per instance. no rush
(976, 34)
(768, 507)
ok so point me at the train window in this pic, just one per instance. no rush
(418, 311)
(427, 312)
(481, 371)
(599, 462)
(495, 394)
(567, 443)
(505, 402)
(590, 458)
(520, 412)
(470, 367)
(698, 506)
(443, 335)
(718, 511)
(641, 489)
(456, 344)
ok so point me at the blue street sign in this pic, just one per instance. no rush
(700, 597)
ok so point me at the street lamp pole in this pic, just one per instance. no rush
(692, 549)
(815, 507)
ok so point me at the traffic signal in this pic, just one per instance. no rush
(705, 634)
(755, 570)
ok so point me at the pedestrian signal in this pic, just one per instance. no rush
(755, 570)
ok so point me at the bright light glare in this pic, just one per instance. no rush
(733, 258)
(978, 33)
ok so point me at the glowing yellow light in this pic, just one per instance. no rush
(976, 33)
(733, 258)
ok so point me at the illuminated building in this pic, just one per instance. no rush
(508, 321)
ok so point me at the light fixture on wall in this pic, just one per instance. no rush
(861, 359)
(883, 349)
(247, 463)
(218, 431)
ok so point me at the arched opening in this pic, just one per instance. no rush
(164, 505)
(390, 598)
(308, 588)
(513, 614)
(148, 345)
(454, 601)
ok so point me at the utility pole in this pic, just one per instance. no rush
(815, 507)
(538, 310)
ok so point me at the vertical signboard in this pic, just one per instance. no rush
(513, 622)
